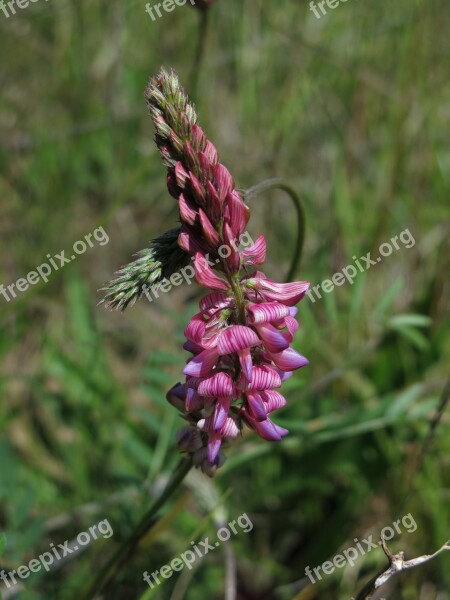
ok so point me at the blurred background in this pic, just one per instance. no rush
(352, 109)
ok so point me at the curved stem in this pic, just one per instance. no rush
(199, 52)
(123, 554)
(279, 184)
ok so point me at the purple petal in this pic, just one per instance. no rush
(193, 347)
(193, 400)
(273, 400)
(256, 406)
(274, 340)
(288, 360)
(202, 364)
(214, 443)
(268, 430)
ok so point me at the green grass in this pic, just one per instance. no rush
(352, 110)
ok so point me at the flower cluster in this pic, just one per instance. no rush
(240, 340)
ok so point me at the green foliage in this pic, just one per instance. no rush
(351, 109)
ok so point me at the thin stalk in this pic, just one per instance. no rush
(199, 52)
(123, 554)
(279, 184)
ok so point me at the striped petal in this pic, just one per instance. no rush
(205, 275)
(245, 360)
(195, 329)
(235, 338)
(273, 400)
(188, 212)
(263, 378)
(256, 254)
(267, 312)
(219, 384)
(287, 293)
(223, 180)
(236, 213)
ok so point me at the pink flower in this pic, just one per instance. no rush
(240, 340)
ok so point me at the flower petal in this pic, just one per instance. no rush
(288, 360)
(256, 254)
(236, 337)
(267, 312)
(274, 340)
(256, 407)
(219, 384)
(205, 275)
(273, 400)
(263, 378)
(202, 364)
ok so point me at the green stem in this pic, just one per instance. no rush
(123, 554)
(279, 184)
(199, 52)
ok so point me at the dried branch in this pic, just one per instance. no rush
(397, 564)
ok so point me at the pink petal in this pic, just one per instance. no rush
(267, 312)
(205, 275)
(268, 430)
(236, 337)
(245, 360)
(188, 240)
(287, 293)
(274, 340)
(274, 400)
(219, 384)
(195, 329)
(223, 180)
(202, 364)
(288, 360)
(180, 175)
(211, 152)
(210, 233)
(237, 213)
(256, 254)
(263, 378)
(233, 259)
(188, 213)
(215, 300)
(230, 429)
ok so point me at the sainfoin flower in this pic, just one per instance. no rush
(240, 340)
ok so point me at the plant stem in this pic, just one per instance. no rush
(123, 554)
(199, 52)
(274, 184)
